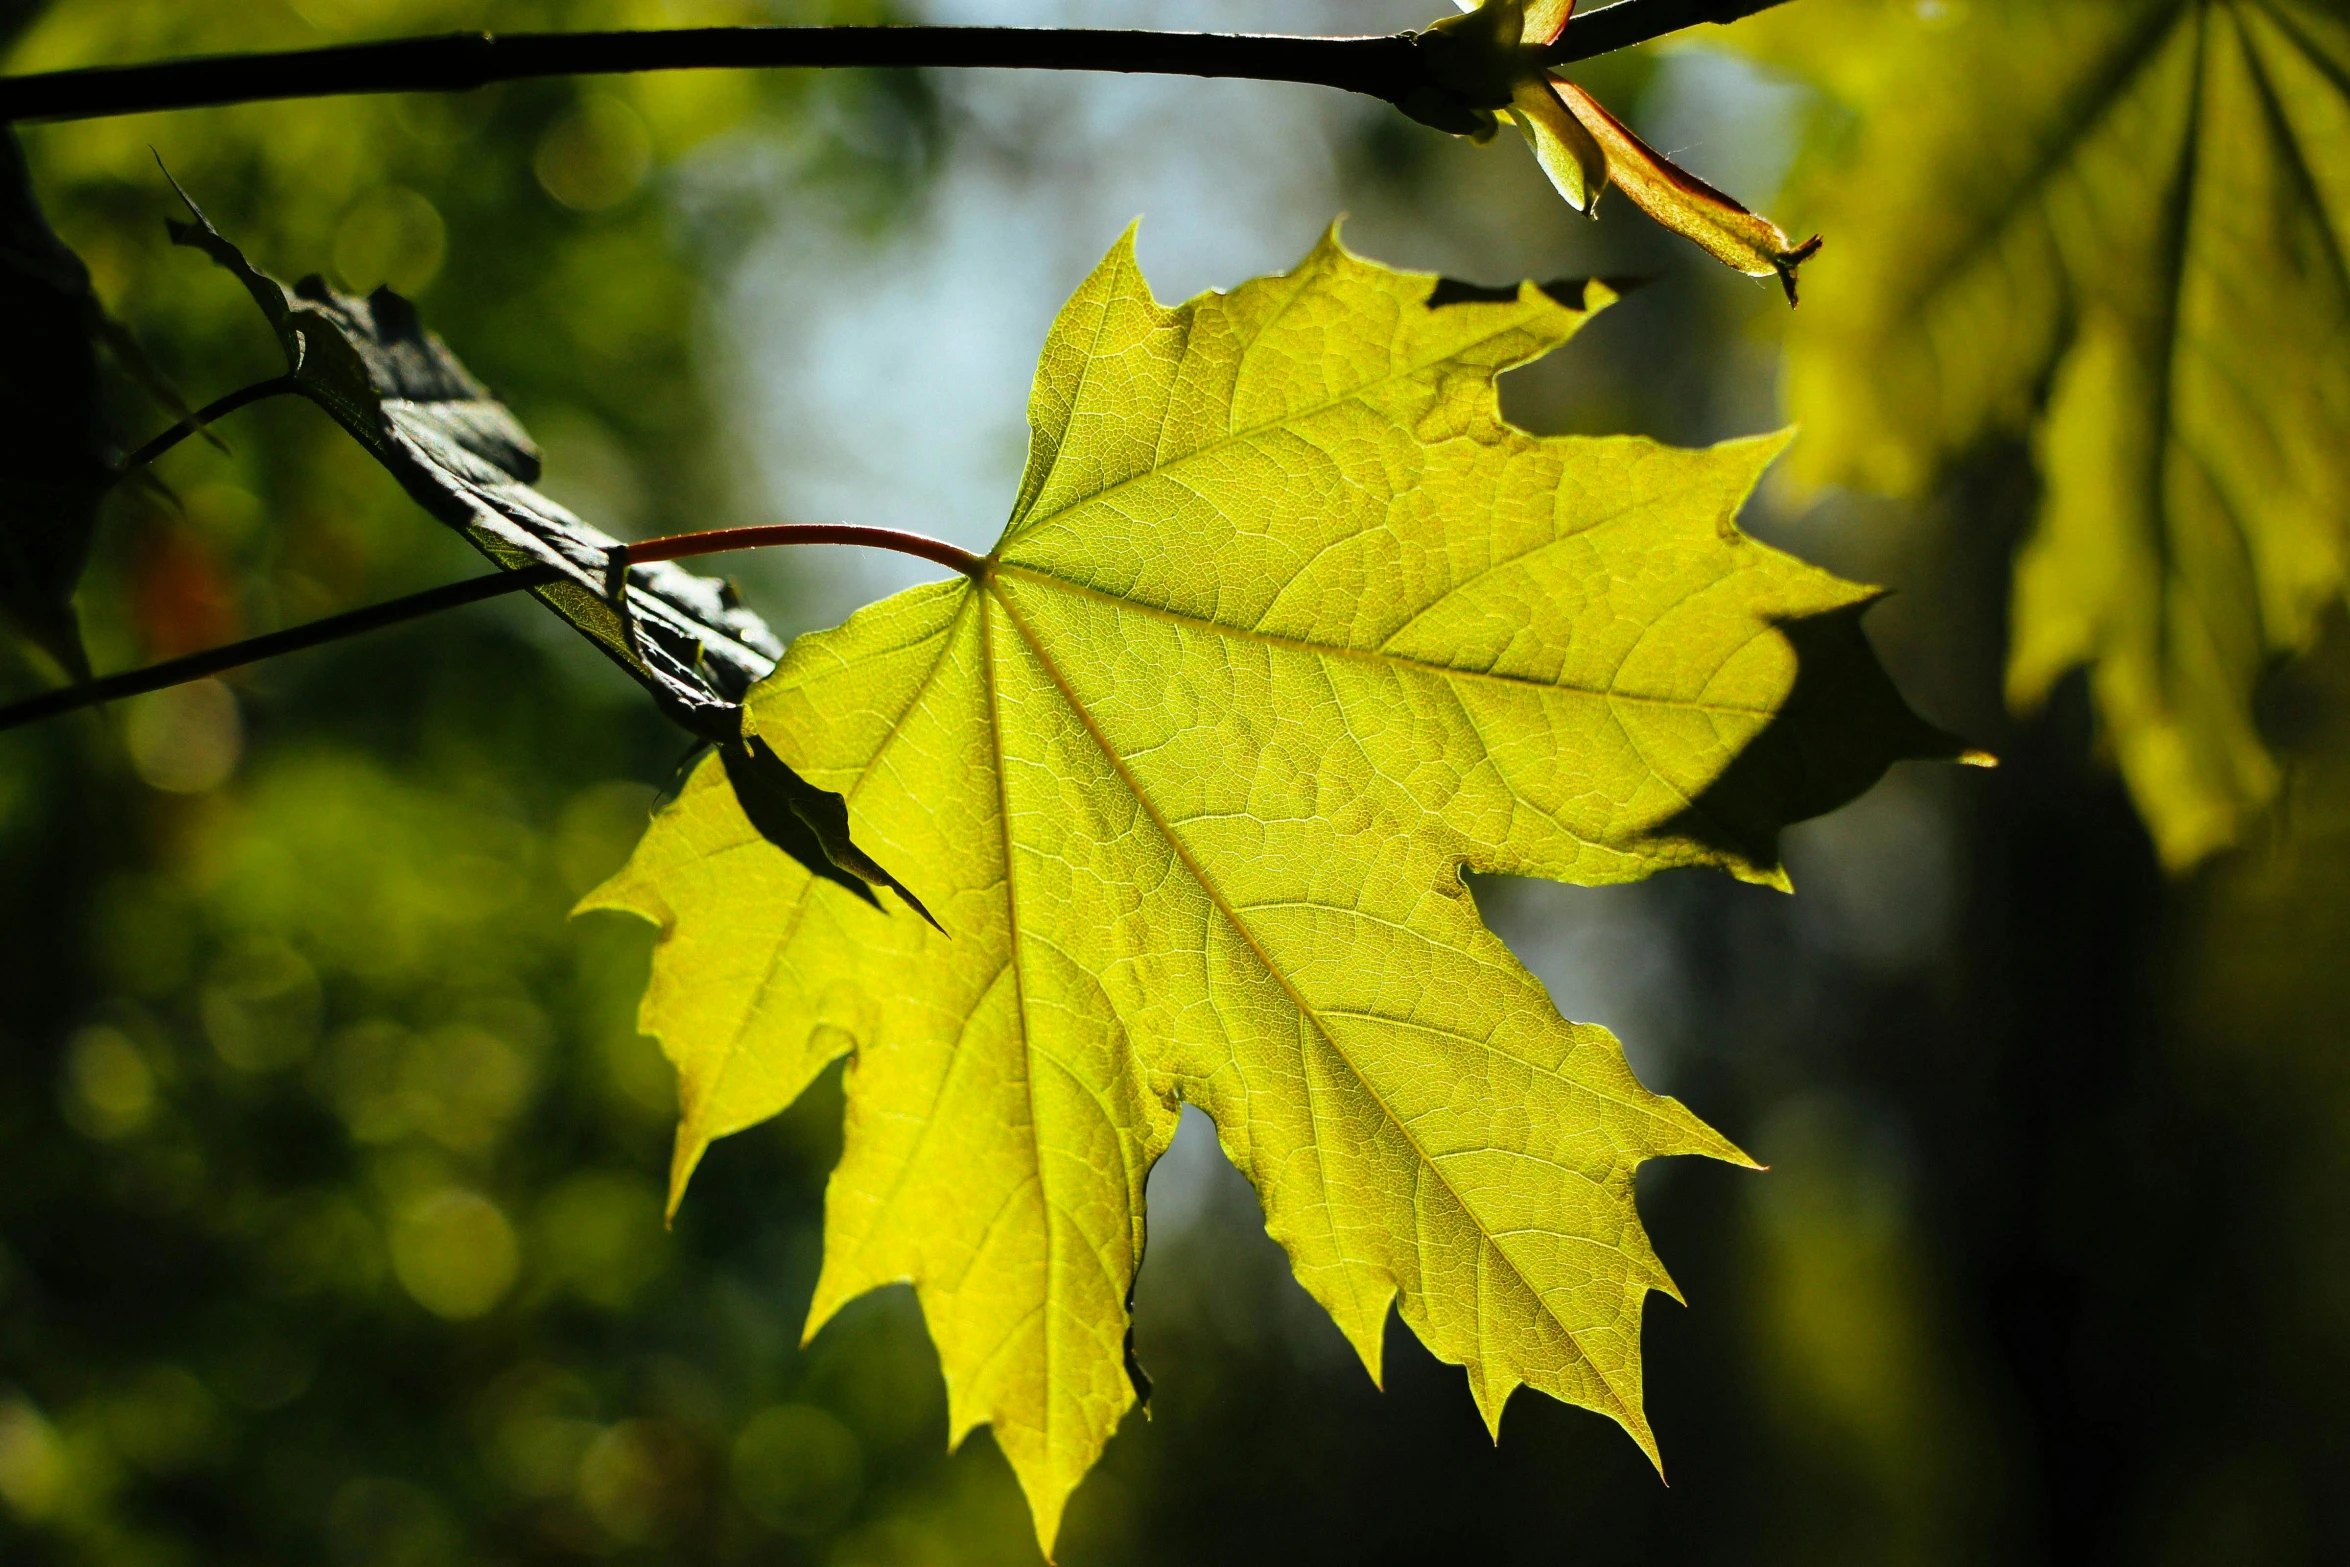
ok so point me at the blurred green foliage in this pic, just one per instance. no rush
(332, 1212)
(329, 1158)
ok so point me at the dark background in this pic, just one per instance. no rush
(330, 1162)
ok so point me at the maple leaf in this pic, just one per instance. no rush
(398, 390)
(1288, 627)
(2119, 227)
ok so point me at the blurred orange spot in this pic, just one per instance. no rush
(181, 595)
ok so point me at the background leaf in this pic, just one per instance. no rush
(2118, 226)
(402, 395)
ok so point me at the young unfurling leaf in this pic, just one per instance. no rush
(1492, 55)
(1288, 628)
(1680, 200)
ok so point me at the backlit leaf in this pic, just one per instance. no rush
(2117, 226)
(1287, 629)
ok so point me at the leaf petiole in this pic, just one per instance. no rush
(455, 595)
(219, 408)
(717, 541)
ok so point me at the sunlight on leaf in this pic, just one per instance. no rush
(1287, 629)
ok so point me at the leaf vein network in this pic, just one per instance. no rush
(1357, 393)
(2023, 192)
(957, 1057)
(783, 945)
(1373, 656)
(2287, 136)
(1424, 1161)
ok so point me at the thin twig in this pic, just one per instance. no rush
(454, 595)
(218, 408)
(1390, 67)
(197, 666)
(1628, 22)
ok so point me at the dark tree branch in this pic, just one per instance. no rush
(197, 666)
(677, 546)
(1390, 68)
(458, 62)
(1628, 22)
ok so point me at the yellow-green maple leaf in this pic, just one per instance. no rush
(2119, 226)
(1288, 626)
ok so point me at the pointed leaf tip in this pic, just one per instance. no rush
(1785, 265)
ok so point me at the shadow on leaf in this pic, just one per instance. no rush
(1842, 725)
(807, 823)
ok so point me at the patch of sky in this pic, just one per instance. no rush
(886, 371)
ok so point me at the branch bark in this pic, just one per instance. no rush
(1388, 68)
(1628, 22)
